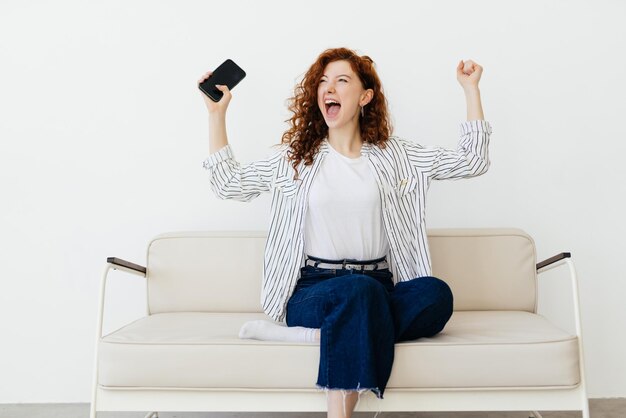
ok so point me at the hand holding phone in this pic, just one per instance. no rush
(211, 105)
(226, 76)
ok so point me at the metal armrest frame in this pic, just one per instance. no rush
(113, 263)
(554, 262)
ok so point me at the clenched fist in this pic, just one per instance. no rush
(468, 73)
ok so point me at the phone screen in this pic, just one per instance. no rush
(227, 73)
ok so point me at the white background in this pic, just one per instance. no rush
(104, 131)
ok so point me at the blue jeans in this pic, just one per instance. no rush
(361, 315)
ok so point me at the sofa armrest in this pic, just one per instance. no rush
(557, 261)
(553, 260)
(119, 264)
(114, 263)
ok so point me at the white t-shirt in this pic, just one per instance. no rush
(344, 218)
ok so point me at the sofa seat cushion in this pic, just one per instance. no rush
(203, 350)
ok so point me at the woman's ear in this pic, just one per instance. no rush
(367, 96)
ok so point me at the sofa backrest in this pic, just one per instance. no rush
(486, 268)
(221, 271)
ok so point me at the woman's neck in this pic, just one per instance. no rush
(346, 140)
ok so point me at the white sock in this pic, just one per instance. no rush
(261, 329)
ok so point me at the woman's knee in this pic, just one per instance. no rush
(443, 300)
(440, 291)
(445, 294)
(445, 290)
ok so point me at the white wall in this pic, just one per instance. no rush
(104, 131)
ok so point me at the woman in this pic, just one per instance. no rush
(347, 261)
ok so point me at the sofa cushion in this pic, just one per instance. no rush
(203, 350)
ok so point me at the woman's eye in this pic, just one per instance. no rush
(343, 80)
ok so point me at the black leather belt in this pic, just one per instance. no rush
(347, 263)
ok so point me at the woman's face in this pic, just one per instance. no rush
(340, 84)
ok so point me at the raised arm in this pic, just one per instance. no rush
(228, 178)
(468, 75)
(471, 158)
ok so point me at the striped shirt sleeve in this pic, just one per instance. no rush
(471, 158)
(243, 182)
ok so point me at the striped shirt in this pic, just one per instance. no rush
(403, 172)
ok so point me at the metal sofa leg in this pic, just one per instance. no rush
(152, 414)
(586, 409)
(535, 414)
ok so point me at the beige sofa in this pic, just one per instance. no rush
(495, 354)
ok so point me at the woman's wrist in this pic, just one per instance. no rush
(474, 105)
(473, 90)
(217, 116)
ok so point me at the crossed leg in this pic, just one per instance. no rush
(420, 307)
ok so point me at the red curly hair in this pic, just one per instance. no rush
(308, 127)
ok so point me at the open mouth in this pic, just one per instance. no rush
(332, 109)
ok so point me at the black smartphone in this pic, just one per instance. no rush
(227, 73)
